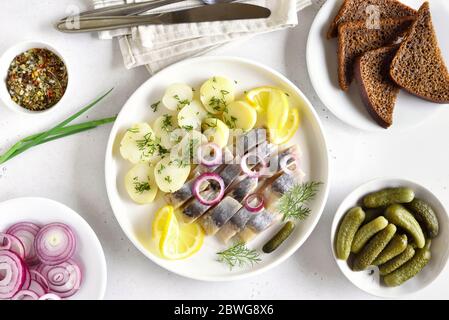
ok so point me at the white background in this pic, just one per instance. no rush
(72, 171)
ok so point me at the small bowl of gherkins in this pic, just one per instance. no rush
(390, 237)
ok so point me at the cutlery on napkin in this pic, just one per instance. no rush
(158, 46)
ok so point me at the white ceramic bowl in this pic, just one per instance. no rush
(5, 61)
(89, 252)
(369, 280)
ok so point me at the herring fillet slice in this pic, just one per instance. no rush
(238, 221)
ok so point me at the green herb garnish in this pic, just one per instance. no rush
(239, 256)
(148, 145)
(187, 128)
(181, 103)
(292, 204)
(161, 168)
(155, 106)
(141, 187)
(133, 130)
(167, 124)
(57, 132)
(168, 179)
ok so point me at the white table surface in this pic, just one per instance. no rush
(71, 171)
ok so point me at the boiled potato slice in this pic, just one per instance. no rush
(191, 116)
(216, 131)
(216, 93)
(139, 144)
(163, 127)
(141, 184)
(240, 115)
(177, 96)
(171, 173)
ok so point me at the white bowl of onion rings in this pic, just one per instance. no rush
(48, 252)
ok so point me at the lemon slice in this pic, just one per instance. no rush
(176, 240)
(160, 220)
(272, 105)
(285, 134)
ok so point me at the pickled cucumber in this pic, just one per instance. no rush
(396, 246)
(388, 197)
(348, 228)
(279, 238)
(402, 218)
(398, 261)
(373, 248)
(425, 215)
(366, 232)
(410, 268)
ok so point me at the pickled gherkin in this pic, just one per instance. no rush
(396, 246)
(425, 215)
(386, 197)
(398, 261)
(373, 248)
(366, 232)
(348, 228)
(410, 268)
(402, 218)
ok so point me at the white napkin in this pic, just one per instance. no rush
(158, 46)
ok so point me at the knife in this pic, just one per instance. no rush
(216, 12)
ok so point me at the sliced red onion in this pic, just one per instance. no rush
(208, 176)
(55, 243)
(27, 281)
(258, 206)
(37, 288)
(38, 277)
(26, 232)
(12, 274)
(50, 296)
(204, 152)
(286, 164)
(17, 246)
(5, 241)
(250, 173)
(63, 279)
(26, 295)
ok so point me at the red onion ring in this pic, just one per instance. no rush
(218, 155)
(14, 274)
(5, 241)
(26, 295)
(37, 288)
(55, 243)
(286, 163)
(250, 173)
(50, 296)
(36, 276)
(26, 232)
(254, 208)
(196, 189)
(63, 279)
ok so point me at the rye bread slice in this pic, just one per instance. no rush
(354, 39)
(418, 66)
(363, 10)
(377, 89)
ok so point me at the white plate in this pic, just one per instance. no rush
(136, 220)
(410, 111)
(89, 252)
(440, 251)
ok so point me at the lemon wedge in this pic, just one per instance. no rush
(285, 134)
(176, 240)
(271, 104)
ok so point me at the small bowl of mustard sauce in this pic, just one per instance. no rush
(34, 78)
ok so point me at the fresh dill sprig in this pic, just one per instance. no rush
(181, 103)
(292, 204)
(155, 106)
(239, 256)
